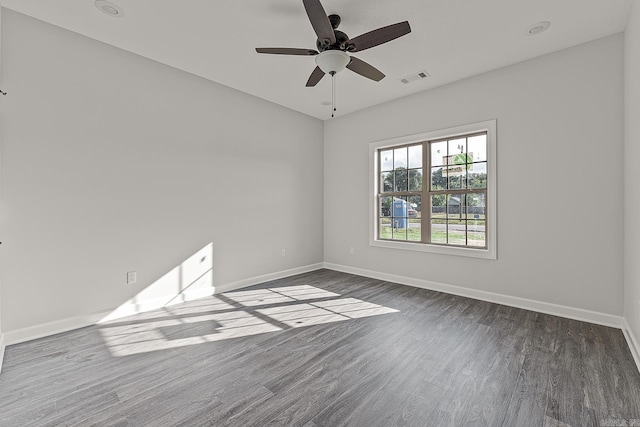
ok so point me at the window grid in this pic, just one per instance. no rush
(465, 193)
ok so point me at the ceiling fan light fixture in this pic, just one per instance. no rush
(332, 61)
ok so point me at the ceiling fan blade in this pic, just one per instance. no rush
(378, 37)
(286, 51)
(320, 22)
(369, 71)
(315, 77)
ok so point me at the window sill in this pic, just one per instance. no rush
(437, 249)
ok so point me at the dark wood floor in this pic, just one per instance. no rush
(325, 349)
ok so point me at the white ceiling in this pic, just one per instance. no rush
(450, 39)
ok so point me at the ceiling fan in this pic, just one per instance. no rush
(333, 45)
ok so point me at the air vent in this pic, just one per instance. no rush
(415, 77)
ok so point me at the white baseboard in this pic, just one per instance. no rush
(64, 325)
(524, 303)
(52, 328)
(2, 345)
(135, 308)
(267, 277)
(130, 308)
(632, 341)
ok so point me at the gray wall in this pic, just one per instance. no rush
(1, 224)
(631, 154)
(112, 162)
(560, 178)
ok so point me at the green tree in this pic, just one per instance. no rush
(404, 180)
(438, 182)
(477, 180)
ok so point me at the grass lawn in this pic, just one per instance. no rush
(414, 234)
(411, 234)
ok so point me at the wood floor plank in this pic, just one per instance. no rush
(325, 349)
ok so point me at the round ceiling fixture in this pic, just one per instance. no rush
(332, 61)
(537, 28)
(109, 8)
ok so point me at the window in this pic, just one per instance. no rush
(435, 191)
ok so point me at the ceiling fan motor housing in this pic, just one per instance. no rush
(341, 38)
(340, 44)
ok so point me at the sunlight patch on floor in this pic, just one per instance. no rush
(233, 315)
(157, 335)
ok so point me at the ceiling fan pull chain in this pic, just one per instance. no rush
(333, 93)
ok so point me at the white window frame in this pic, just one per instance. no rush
(490, 252)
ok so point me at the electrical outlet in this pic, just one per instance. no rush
(132, 277)
(352, 250)
(284, 253)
